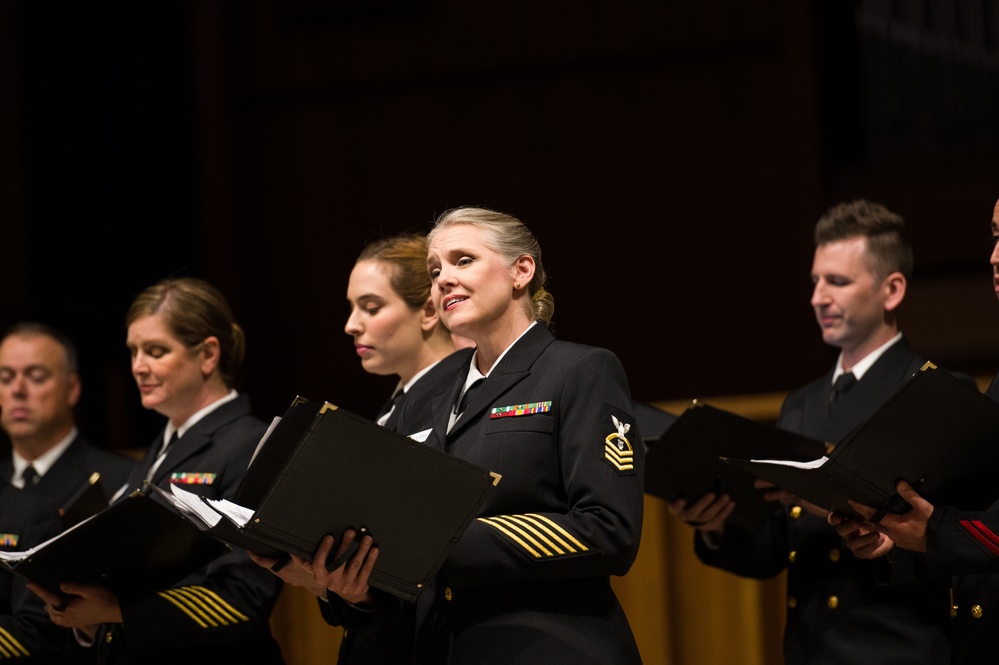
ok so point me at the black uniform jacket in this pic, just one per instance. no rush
(965, 545)
(220, 613)
(528, 581)
(70, 472)
(838, 610)
(26, 633)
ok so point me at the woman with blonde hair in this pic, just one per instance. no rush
(529, 580)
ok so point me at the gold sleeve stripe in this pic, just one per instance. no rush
(512, 524)
(212, 598)
(529, 525)
(194, 617)
(558, 528)
(512, 536)
(540, 526)
(203, 606)
(534, 532)
(10, 647)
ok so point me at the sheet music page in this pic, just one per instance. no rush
(24, 554)
(264, 438)
(814, 464)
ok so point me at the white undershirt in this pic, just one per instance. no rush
(42, 463)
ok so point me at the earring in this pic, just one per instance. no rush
(517, 285)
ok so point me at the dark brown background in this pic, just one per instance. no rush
(672, 157)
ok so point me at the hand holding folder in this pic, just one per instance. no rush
(323, 470)
(936, 432)
(686, 462)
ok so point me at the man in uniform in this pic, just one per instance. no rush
(39, 386)
(836, 611)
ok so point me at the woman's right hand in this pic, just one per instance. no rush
(707, 514)
(349, 580)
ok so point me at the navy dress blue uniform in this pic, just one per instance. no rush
(529, 580)
(965, 545)
(387, 636)
(220, 613)
(26, 633)
(71, 470)
(838, 610)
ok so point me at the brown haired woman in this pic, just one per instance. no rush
(186, 352)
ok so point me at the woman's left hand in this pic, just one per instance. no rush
(82, 606)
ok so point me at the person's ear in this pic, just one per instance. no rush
(211, 354)
(74, 389)
(894, 286)
(523, 271)
(429, 318)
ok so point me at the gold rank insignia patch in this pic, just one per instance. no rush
(192, 478)
(617, 448)
(9, 539)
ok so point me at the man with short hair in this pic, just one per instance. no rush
(39, 387)
(836, 611)
(49, 464)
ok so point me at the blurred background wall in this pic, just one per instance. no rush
(671, 157)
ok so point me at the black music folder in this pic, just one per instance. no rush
(935, 432)
(322, 470)
(137, 544)
(687, 460)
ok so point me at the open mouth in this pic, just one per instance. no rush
(450, 302)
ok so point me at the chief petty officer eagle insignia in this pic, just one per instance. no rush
(617, 448)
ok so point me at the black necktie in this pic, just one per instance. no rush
(467, 397)
(163, 453)
(396, 406)
(841, 386)
(29, 476)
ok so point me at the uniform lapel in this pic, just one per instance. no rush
(512, 369)
(200, 436)
(185, 447)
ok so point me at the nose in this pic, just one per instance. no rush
(18, 386)
(139, 366)
(819, 295)
(994, 259)
(353, 325)
(445, 278)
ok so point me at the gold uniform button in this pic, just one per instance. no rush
(832, 602)
(792, 555)
(792, 602)
(976, 611)
(107, 637)
(795, 512)
(447, 594)
(834, 554)
(953, 611)
(346, 632)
